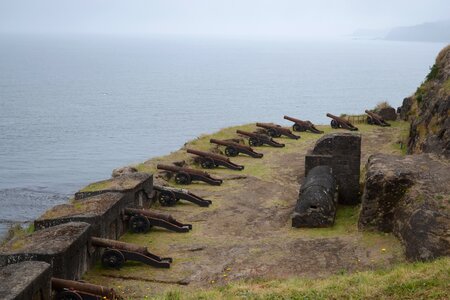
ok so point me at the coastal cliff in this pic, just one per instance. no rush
(428, 110)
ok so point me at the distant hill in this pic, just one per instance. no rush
(426, 32)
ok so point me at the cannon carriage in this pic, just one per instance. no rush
(169, 196)
(276, 131)
(141, 220)
(337, 122)
(257, 139)
(211, 160)
(375, 119)
(186, 175)
(234, 149)
(303, 126)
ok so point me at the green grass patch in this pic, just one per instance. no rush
(427, 280)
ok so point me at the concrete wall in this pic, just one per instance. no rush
(26, 281)
(104, 212)
(65, 247)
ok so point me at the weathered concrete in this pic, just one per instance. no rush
(105, 212)
(64, 247)
(409, 196)
(342, 152)
(138, 187)
(316, 205)
(25, 281)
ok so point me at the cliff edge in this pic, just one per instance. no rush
(428, 110)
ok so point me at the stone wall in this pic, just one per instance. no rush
(105, 212)
(138, 187)
(342, 152)
(65, 247)
(409, 196)
(26, 281)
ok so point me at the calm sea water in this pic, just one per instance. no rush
(72, 109)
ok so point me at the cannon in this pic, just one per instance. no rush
(257, 139)
(375, 119)
(337, 122)
(233, 148)
(169, 196)
(211, 160)
(275, 130)
(186, 175)
(301, 126)
(76, 290)
(141, 220)
(116, 253)
(317, 202)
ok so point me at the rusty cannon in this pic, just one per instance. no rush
(275, 130)
(186, 175)
(375, 119)
(337, 122)
(76, 290)
(116, 253)
(233, 148)
(211, 160)
(141, 220)
(169, 196)
(302, 126)
(257, 139)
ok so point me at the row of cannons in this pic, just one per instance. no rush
(70, 238)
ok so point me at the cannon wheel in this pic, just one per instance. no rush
(298, 127)
(273, 132)
(183, 178)
(370, 121)
(139, 224)
(334, 124)
(112, 258)
(207, 163)
(231, 151)
(167, 198)
(68, 295)
(254, 142)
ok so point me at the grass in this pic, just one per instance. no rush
(422, 280)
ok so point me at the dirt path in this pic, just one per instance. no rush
(247, 231)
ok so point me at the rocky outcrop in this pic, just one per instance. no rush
(123, 171)
(409, 196)
(428, 110)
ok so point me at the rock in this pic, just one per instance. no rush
(387, 113)
(409, 196)
(123, 171)
(428, 110)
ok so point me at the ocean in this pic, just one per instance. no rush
(74, 108)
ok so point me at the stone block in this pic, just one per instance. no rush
(65, 247)
(25, 281)
(138, 188)
(105, 212)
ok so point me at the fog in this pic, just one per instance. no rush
(240, 18)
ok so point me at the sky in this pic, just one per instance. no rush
(227, 18)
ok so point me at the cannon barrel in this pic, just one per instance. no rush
(150, 214)
(181, 169)
(342, 122)
(207, 154)
(298, 121)
(376, 119)
(275, 130)
(251, 134)
(98, 290)
(229, 143)
(317, 201)
(113, 244)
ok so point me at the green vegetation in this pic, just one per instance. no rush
(434, 70)
(97, 186)
(446, 86)
(427, 280)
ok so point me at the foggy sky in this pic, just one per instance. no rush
(259, 18)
